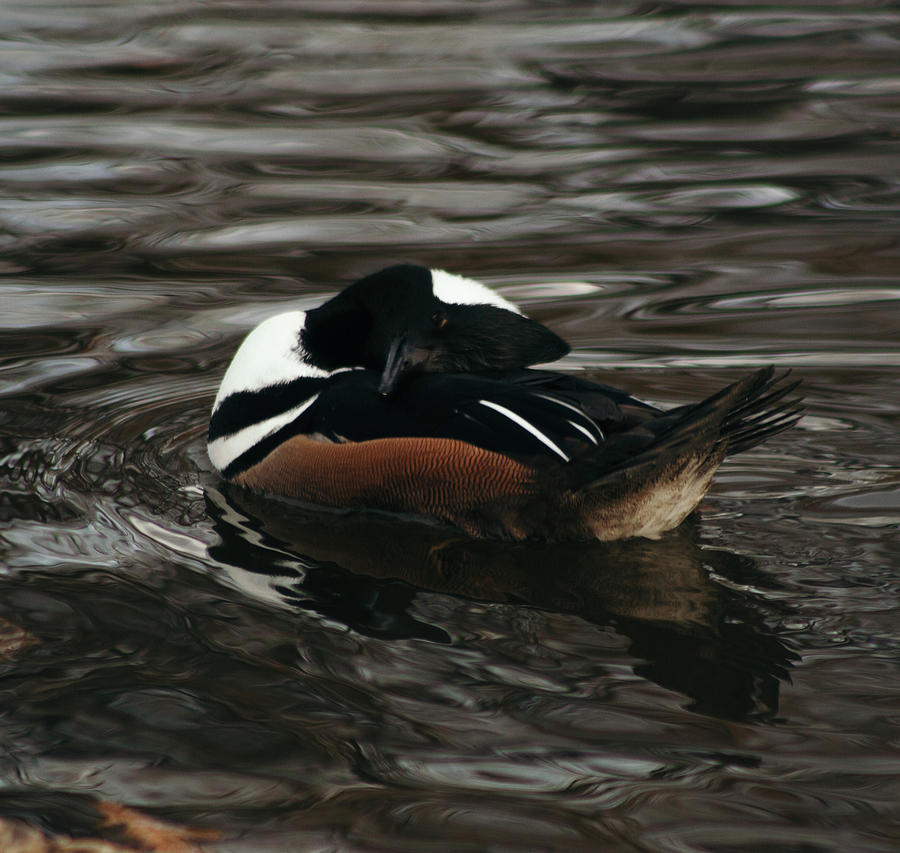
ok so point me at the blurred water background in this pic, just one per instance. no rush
(683, 191)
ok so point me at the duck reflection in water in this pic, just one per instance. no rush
(691, 634)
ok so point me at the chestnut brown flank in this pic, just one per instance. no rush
(430, 476)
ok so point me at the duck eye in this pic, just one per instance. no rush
(439, 318)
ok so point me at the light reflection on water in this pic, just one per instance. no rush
(682, 192)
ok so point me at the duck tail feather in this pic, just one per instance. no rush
(734, 419)
(762, 413)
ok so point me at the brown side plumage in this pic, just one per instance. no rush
(476, 489)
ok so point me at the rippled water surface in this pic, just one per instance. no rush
(682, 191)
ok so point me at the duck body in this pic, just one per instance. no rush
(412, 391)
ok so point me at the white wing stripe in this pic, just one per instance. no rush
(581, 414)
(520, 421)
(559, 402)
(588, 433)
(223, 451)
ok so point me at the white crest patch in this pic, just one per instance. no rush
(458, 290)
(270, 354)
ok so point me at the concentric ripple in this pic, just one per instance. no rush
(682, 191)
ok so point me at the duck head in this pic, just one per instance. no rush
(407, 319)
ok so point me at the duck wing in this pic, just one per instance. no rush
(528, 415)
(531, 415)
(497, 412)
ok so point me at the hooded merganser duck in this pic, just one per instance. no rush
(413, 391)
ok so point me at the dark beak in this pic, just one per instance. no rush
(402, 358)
(394, 366)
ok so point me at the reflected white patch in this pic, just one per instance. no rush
(458, 290)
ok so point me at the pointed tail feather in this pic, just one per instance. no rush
(734, 419)
(763, 413)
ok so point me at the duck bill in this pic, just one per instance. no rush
(395, 366)
(403, 358)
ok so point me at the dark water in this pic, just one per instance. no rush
(683, 191)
